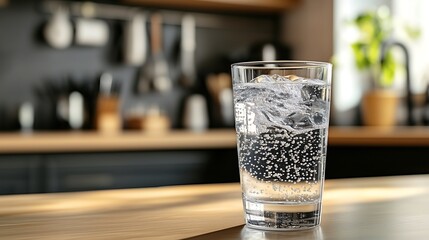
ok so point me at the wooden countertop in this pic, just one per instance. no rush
(123, 141)
(52, 142)
(375, 136)
(365, 208)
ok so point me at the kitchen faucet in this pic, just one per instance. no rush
(384, 48)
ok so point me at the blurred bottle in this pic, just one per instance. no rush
(26, 116)
(91, 32)
(135, 40)
(152, 120)
(227, 107)
(196, 116)
(155, 121)
(58, 31)
(76, 110)
(107, 113)
(219, 87)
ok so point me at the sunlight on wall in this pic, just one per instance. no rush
(411, 18)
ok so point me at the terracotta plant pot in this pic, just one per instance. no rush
(379, 108)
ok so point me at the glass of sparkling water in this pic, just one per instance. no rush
(282, 119)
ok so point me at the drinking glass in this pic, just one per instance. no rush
(281, 120)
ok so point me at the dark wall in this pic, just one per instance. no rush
(28, 64)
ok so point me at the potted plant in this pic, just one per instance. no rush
(380, 102)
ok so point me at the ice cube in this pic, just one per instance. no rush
(293, 77)
(297, 106)
(262, 79)
(306, 92)
(268, 79)
(278, 78)
(299, 119)
(318, 118)
(311, 92)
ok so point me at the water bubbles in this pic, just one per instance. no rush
(266, 158)
(281, 123)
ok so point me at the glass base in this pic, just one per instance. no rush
(280, 216)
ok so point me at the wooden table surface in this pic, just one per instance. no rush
(361, 208)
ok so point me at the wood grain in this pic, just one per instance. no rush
(365, 208)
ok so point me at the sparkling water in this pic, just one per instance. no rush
(281, 125)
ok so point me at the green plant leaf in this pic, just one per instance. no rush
(374, 30)
(374, 52)
(388, 70)
(361, 59)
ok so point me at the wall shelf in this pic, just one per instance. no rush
(265, 6)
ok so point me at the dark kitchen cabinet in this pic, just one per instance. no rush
(77, 172)
(20, 174)
(65, 172)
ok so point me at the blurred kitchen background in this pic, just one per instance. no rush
(137, 93)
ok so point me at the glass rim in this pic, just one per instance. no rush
(288, 64)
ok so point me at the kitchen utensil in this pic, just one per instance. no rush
(216, 84)
(107, 114)
(161, 75)
(155, 121)
(76, 110)
(106, 84)
(145, 77)
(135, 40)
(268, 52)
(155, 71)
(58, 32)
(63, 108)
(195, 115)
(188, 45)
(26, 116)
(91, 32)
(226, 107)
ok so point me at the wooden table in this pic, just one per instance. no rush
(365, 208)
